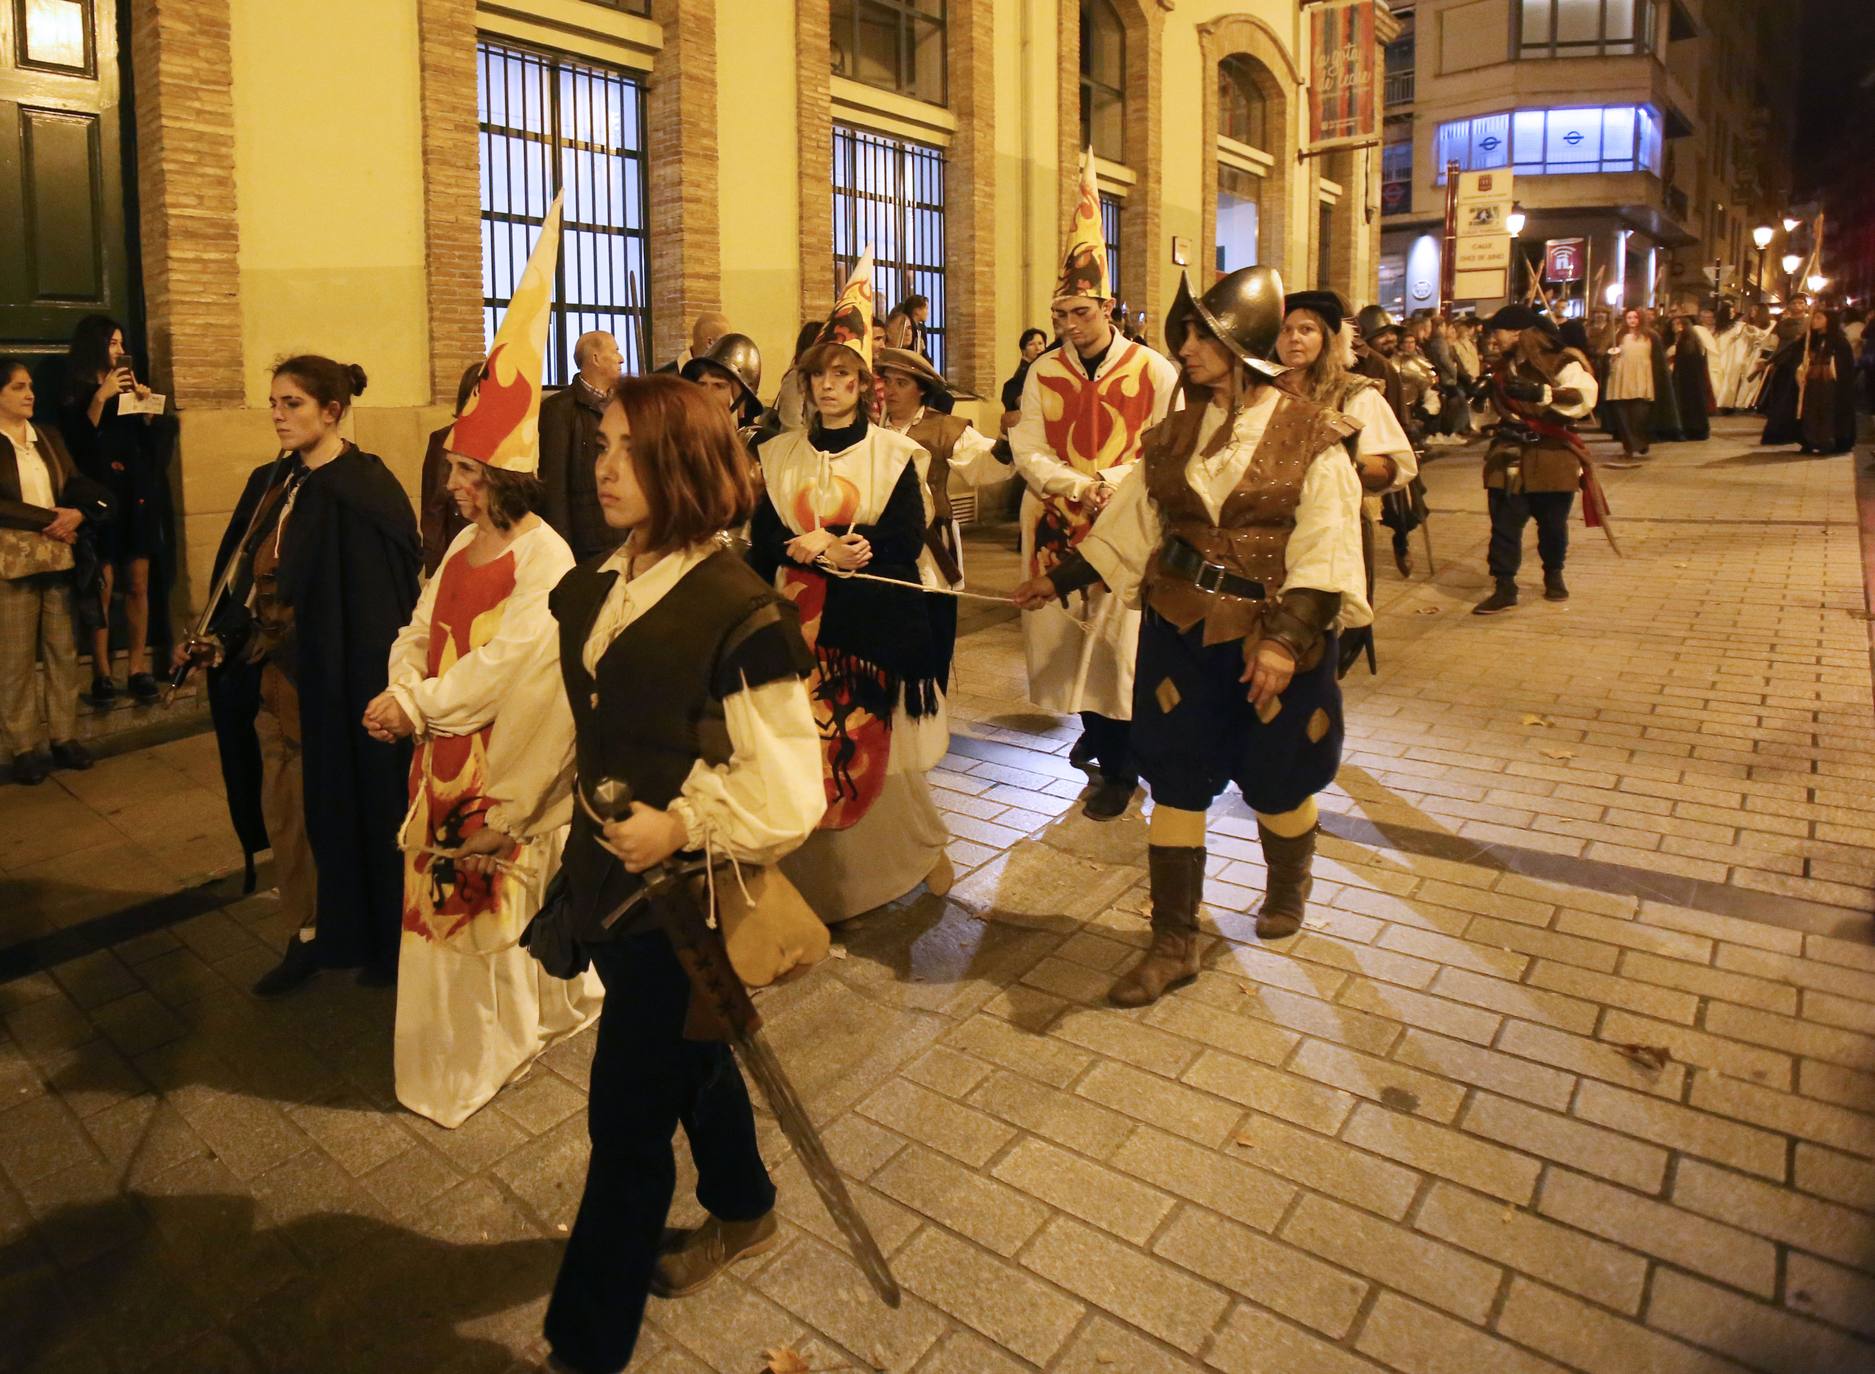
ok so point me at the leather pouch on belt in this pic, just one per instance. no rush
(772, 934)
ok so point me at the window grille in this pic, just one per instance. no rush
(890, 193)
(549, 123)
(896, 45)
(1110, 233)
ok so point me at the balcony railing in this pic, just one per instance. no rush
(1399, 88)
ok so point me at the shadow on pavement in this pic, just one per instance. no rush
(202, 1282)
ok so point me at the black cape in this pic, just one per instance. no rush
(1827, 418)
(349, 571)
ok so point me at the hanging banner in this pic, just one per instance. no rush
(1344, 75)
(1563, 260)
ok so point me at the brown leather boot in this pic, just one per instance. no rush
(1286, 888)
(704, 1253)
(1171, 961)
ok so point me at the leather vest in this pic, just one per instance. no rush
(655, 705)
(1251, 535)
(937, 435)
(1549, 463)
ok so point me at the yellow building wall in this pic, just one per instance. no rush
(759, 188)
(329, 188)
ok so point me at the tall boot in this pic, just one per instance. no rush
(1171, 960)
(1286, 888)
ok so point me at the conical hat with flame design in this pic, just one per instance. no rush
(851, 320)
(1084, 264)
(501, 424)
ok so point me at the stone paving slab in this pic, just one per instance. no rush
(1431, 1133)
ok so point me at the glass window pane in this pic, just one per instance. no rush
(1237, 216)
(1490, 142)
(1107, 125)
(927, 61)
(875, 49)
(1619, 23)
(1575, 136)
(1454, 145)
(1241, 106)
(1578, 21)
(1103, 43)
(1536, 22)
(55, 33)
(1618, 132)
(1526, 137)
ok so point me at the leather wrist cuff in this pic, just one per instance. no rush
(1073, 576)
(1299, 620)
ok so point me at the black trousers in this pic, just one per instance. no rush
(1510, 511)
(1110, 742)
(646, 1079)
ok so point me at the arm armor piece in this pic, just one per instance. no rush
(1299, 620)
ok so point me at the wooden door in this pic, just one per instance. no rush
(63, 252)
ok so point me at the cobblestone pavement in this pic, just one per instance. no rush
(1571, 1068)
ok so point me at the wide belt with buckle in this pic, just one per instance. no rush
(1182, 561)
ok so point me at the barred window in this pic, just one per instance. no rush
(549, 123)
(1110, 232)
(889, 193)
(896, 45)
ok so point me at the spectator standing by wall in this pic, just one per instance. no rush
(44, 503)
(569, 441)
(129, 456)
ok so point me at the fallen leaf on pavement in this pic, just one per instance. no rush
(785, 1359)
(1653, 1058)
(1426, 610)
(1243, 1141)
(837, 951)
(1534, 719)
(1559, 753)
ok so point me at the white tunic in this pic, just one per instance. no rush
(1081, 658)
(1324, 550)
(474, 1012)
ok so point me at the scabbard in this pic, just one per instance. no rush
(721, 1009)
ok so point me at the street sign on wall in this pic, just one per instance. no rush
(1482, 258)
(1344, 75)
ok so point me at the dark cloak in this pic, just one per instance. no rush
(1827, 420)
(349, 570)
(1692, 387)
(1663, 421)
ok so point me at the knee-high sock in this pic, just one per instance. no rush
(1288, 824)
(1172, 827)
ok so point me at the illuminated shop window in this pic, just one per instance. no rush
(889, 193)
(549, 123)
(1595, 138)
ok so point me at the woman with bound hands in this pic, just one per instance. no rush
(849, 496)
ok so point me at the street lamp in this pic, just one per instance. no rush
(1816, 281)
(1791, 223)
(1791, 262)
(1614, 293)
(1762, 237)
(1515, 222)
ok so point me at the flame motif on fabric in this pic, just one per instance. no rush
(1092, 426)
(838, 511)
(449, 773)
(497, 406)
(501, 424)
(1084, 261)
(855, 745)
(850, 321)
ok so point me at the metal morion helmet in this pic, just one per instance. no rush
(1244, 310)
(737, 355)
(1374, 320)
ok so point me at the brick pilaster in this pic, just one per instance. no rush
(452, 195)
(970, 199)
(814, 118)
(1278, 83)
(686, 261)
(180, 60)
(1140, 212)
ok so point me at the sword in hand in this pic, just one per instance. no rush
(721, 1009)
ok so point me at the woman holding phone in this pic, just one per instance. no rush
(128, 453)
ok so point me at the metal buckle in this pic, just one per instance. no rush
(1210, 577)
